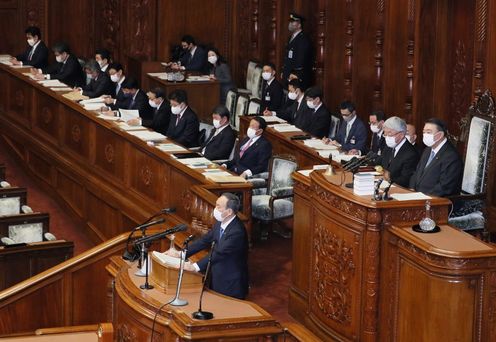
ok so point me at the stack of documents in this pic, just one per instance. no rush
(411, 196)
(203, 78)
(148, 135)
(195, 163)
(319, 144)
(170, 147)
(167, 259)
(327, 153)
(75, 96)
(286, 128)
(363, 184)
(128, 114)
(52, 83)
(342, 157)
(93, 104)
(158, 74)
(124, 126)
(273, 119)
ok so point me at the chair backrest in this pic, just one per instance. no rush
(280, 169)
(254, 107)
(241, 109)
(334, 127)
(249, 74)
(231, 101)
(256, 88)
(480, 140)
(205, 130)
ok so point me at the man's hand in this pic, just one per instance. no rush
(173, 253)
(326, 141)
(267, 112)
(39, 77)
(107, 112)
(134, 122)
(108, 100)
(188, 266)
(244, 175)
(14, 61)
(353, 152)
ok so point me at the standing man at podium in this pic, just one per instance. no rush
(229, 264)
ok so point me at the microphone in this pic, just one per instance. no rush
(146, 225)
(200, 314)
(349, 162)
(360, 161)
(385, 195)
(151, 238)
(377, 196)
(188, 240)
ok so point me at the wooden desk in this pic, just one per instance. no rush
(103, 332)
(109, 180)
(203, 97)
(337, 254)
(134, 310)
(2, 172)
(282, 144)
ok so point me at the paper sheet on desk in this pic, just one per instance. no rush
(93, 106)
(61, 89)
(158, 74)
(327, 153)
(21, 66)
(339, 157)
(410, 196)
(6, 62)
(226, 179)
(124, 126)
(30, 75)
(128, 114)
(167, 259)
(109, 118)
(170, 147)
(305, 173)
(52, 83)
(203, 78)
(74, 96)
(216, 172)
(319, 144)
(93, 100)
(286, 128)
(148, 135)
(273, 119)
(191, 161)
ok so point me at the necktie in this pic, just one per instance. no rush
(431, 157)
(31, 53)
(117, 89)
(348, 128)
(131, 104)
(177, 119)
(221, 233)
(245, 147)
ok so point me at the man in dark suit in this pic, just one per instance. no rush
(272, 91)
(116, 98)
(298, 56)
(36, 54)
(184, 124)
(411, 135)
(229, 261)
(377, 141)
(253, 152)
(67, 68)
(440, 170)
(102, 56)
(193, 57)
(219, 144)
(136, 99)
(352, 135)
(318, 118)
(399, 158)
(294, 110)
(100, 83)
(161, 111)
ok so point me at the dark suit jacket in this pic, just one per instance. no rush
(256, 157)
(39, 59)
(161, 118)
(196, 63)
(186, 131)
(219, 146)
(141, 104)
(69, 72)
(401, 167)
(443, 176)
(121, 101)
(300, 51)
(101, 86)
(272, 96)
(300, 118)
(377, 144)
(357, 136)
(291, 110)
(229, 265)
(317, 123)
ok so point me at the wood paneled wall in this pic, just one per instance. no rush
(412, 58)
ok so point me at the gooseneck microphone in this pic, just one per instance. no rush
(200, 314)
(161, 235)
(149, 224)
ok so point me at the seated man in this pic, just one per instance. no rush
(295, 106)
(229, 261)
(440, 170)
(318, 118)
(67, 68)
(399, 158)
(136, 99)
(222, 138)
(161, 111)
(352, 135)
(272, 92)
(100, 83)
(184, 124)
(36, 54)
(116, 98)
(411, 135)
(102, 56)
(253, 152)
(193, 57)
(377, 141)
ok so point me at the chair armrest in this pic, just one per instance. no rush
(195, 148)
(257, 183)
(220, 161)
(286, 191)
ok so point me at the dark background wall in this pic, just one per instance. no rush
(412, 58)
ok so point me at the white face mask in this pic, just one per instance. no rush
(216, 123)
(374, 128)
(100, 63)
(115, 78)
(31, 41)
(391, 142)
(89, 77)
(176, 109)
(59, 58)
(310, 104)
(266, 75)
(292, 95)
(152, 104)
(212, 59)
(428, 139)
(251, 133)
(218, 215)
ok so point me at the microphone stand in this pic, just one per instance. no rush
(385, 195)
(200, 314)
(177, 301)
(146, 285)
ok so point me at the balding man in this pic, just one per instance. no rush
(440, 170)
(399, 158)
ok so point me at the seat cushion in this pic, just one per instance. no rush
(261, 210)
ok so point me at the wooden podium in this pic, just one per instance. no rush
(358, 277)
(165, 277)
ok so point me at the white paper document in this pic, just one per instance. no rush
(339, 157)
(305, 173)
(209, 173)
(61, 89)
(171, 147)
(327, 153)
(273, 119)
(167, 259)
(157, 74)
(93, 100)
(195, 161)
(93, 106)
(204, 78)
(410, 196)
(319, 144)
(52, 83)
(124, 126)
(286, 128)
(128, 114)
(109, 118)
(148, 135)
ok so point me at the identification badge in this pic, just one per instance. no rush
(267, 97)
(352, 141)
(290, 54)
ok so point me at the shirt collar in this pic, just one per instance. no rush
(218, 130)
(182, 112)
(295, 34)
(224, 225)
(316, 108)
(436, 150)
(121, 80)
(36, 44)
(193, 50)
(136, 93)
(350, 123)
(104, 68)
(397, 148)
(270, 81)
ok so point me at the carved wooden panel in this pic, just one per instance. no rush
(47, 118)
(76, 133)
(102, 216)
(110, 25)
(20, 104)
(179, 185)
(41, 167)
(140, 29)
(71, 191)
(109, 154)
(12, 43)
(146, 175)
